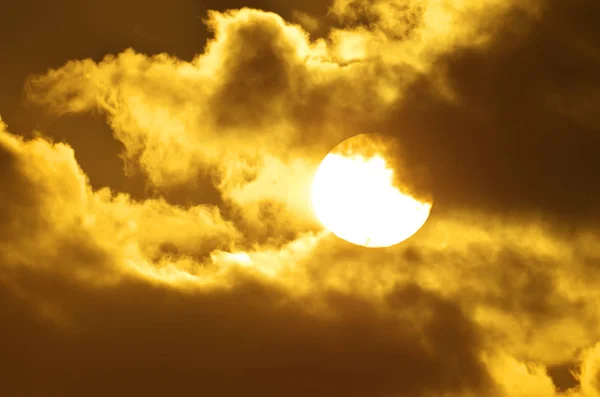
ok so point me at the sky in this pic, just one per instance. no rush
(156, 232)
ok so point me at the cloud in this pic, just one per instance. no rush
(51, 215)
(249, 294)
(267, 338)
(44, 195)
(506, 144)
(589, 374)
(351, 310)
(261, 95)
(252, 340)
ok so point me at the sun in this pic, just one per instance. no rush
(356, 196)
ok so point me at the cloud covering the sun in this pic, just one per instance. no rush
(495, 296)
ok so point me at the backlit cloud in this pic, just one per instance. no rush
(496, 296)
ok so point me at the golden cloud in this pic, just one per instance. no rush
(251, 292)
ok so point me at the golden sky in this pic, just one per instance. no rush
(156, 231)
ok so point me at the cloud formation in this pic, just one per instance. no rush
(495, 296)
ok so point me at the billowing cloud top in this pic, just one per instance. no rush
(240, 291)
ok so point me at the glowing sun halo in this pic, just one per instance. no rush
(355, 198)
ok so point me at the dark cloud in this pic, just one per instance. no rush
(258, 77)
(135, 338)
(509, 143)
(563, 376)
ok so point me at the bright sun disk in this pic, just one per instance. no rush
(354, 197)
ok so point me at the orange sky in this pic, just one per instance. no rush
(156, 231)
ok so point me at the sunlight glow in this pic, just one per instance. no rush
(355, 199)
